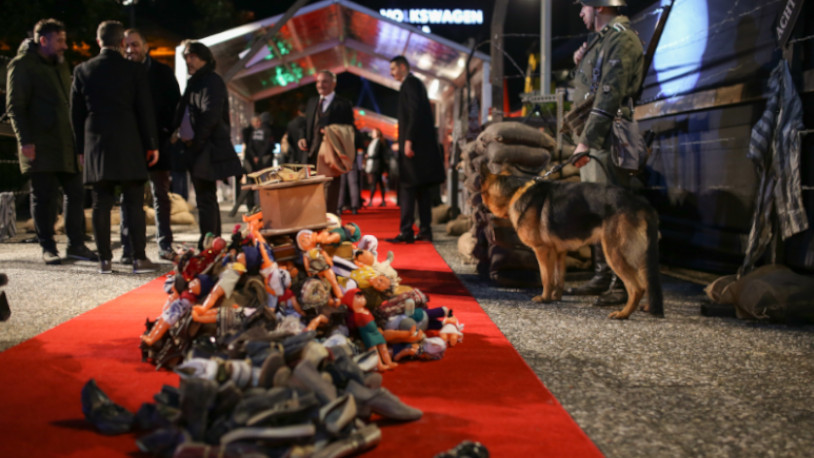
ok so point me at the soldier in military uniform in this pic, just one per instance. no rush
(613, 52)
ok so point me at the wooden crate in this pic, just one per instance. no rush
(290, 206)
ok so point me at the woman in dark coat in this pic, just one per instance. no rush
(203, 120)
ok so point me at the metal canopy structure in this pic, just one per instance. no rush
(340, 36)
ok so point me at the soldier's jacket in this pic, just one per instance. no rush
(621, 77)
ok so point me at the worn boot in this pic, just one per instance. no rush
(108, 417)
(615, 295)
(599, 283)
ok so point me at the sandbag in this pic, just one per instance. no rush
(517, 268)
(775, 293)
(441, 214)
(466, 245)
(720, 291)
(178, 204)
(526, 157)
(182, 218)
(515, 133)
(459, 225)
(149, 216)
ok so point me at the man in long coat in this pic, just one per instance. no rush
(113, 123)
(421, 166)
(39, 84)
(165, 92)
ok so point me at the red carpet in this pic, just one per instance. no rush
(482, 390)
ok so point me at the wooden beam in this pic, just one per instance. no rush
(269, 64)
(263, 40)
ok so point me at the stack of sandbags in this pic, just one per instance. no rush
(516, 149)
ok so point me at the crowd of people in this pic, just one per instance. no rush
(119, 122)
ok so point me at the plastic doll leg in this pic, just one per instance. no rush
(156, 333)
(204, 316)
(329, 275)
(384, 357)
(412, 350)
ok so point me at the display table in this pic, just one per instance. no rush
(291, 206)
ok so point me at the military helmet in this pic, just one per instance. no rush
(597, 3)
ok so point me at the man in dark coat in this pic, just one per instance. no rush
(165, 93)
(323, 111)
(37, 101)
(113, 123)
(295, 130)
(203, 122)
(421, 166)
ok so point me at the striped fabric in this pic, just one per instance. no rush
(775, 150)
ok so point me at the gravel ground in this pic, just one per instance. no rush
(683, 386)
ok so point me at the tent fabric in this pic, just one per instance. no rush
(340, 36)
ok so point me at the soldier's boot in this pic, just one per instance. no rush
(615, 295)
(601, 280)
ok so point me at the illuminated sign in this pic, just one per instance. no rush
(426, 16)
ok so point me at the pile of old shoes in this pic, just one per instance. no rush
(268, 394)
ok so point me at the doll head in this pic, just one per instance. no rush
(369, 243)
(305, 239)
(364, 257)
(354, 299)
(380, 283)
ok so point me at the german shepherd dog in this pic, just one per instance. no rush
(553, 218)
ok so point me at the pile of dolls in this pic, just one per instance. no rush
(511, 148)
(280, 352)
(334, 283)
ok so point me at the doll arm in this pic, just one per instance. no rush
(316, 322)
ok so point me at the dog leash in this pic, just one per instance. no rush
(574, 158)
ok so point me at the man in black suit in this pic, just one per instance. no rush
(114, 126)
(421, 166)
(322, 111)
(165, 93)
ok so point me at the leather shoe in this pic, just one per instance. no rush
(424, 237)
(108, 417)
(168, 255)
(402, 238)
(105, 267)
(143, 266)
(82, 253)
(51, 258)
(382, 402)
